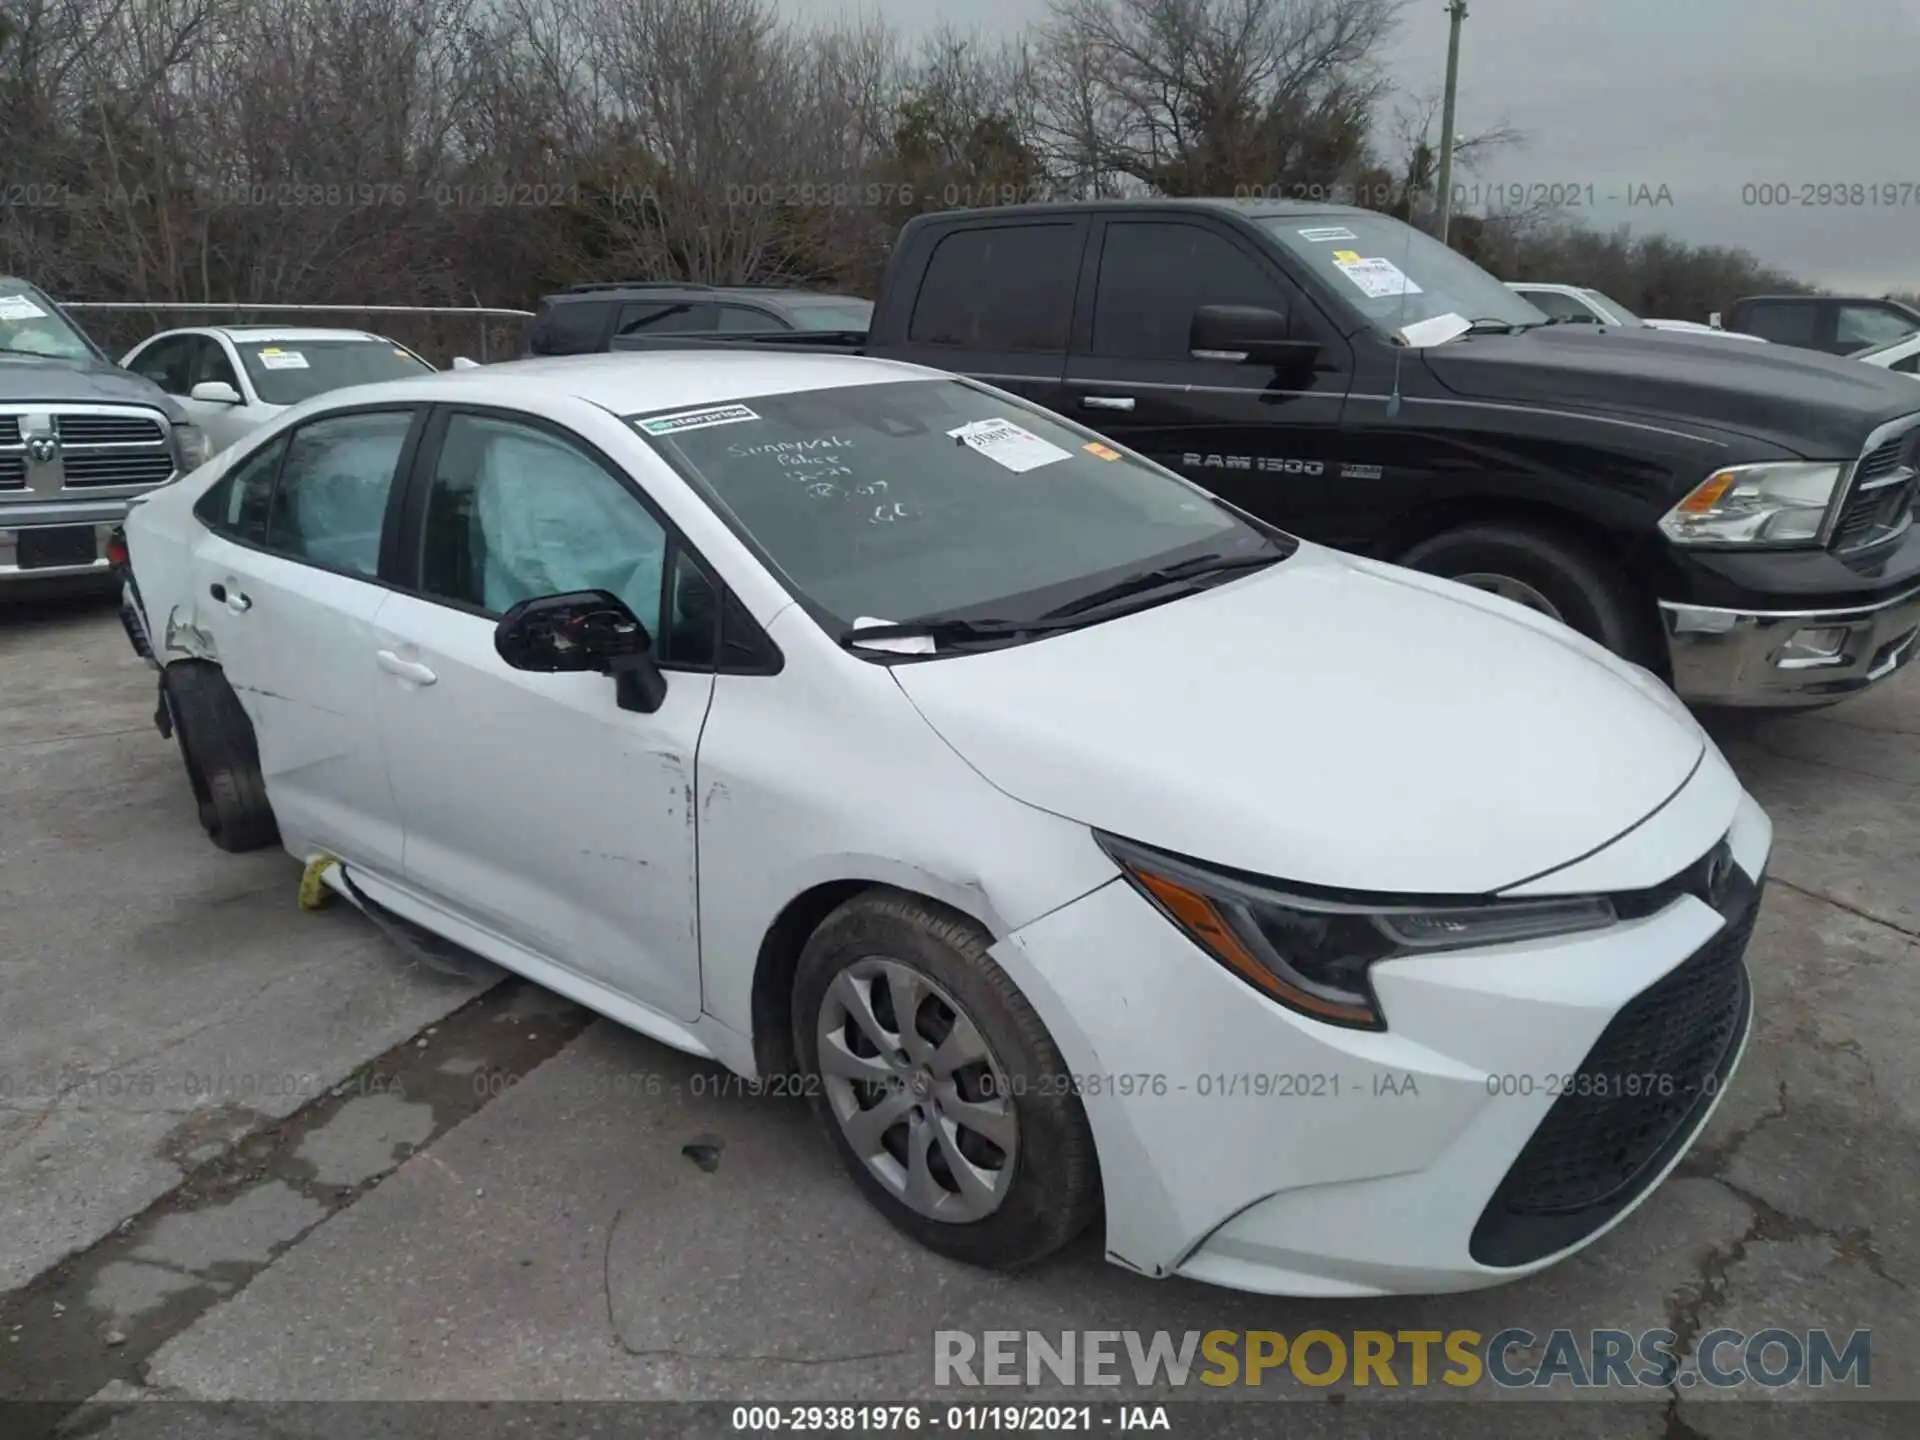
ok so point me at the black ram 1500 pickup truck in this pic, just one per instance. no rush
(1737, 518)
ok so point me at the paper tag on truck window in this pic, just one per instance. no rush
(1007, 445)
(1377, 278)
(1101, 452)
(1328, 232)
(19, 307)
(697, 419)
(283, 359)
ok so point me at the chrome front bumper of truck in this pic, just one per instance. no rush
(1783, 659)
(98, 515)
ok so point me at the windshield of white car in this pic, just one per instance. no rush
(835, 313)
(1613, 307)
(923, 500)
(1395, 275)
(285, 372)
(31, 324)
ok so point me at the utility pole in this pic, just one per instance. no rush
(1456, 12)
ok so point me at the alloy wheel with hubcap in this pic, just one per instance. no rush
(917, 1091)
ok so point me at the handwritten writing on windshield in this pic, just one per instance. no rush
(818, 466)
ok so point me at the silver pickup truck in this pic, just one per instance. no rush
(80, 439)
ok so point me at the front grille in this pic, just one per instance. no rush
(85, 469)
(1636, 1098)
(1880, 503)
(108, 430)
(100, 447)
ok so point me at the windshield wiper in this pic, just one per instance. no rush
(1146, 580)
(36, 354)
(937, 630)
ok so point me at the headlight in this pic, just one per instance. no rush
(193, 446)
(1313, 954)
(1774, 504)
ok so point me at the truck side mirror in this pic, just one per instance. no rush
(1246, 334)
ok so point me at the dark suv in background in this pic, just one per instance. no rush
(584, 319)
(1839, 325)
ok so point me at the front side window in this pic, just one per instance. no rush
(1870, 325)
(31, 324)
(1155, 274)
(331, 503)
(837, 312)
(167, 363)
(1393, 274)
(285, 372)
(209, 362)
(916, 498)
(1002, 287)
(236, 504)
(1560, 306)
(515, 512)
(1612, 310)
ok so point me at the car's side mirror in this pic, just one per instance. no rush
(1246, 334)
(584, 630)
(215, 392)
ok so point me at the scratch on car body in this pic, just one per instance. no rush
(185, 638)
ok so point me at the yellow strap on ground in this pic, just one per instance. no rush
(313, 890)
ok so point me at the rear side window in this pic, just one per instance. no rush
(1783, 322)
(1004, 287)
(331, 503)
(1908, 366)
(236, 506)
(568, 327)
(744, 320)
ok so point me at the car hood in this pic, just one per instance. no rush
(1328, 721)
(80, 382)
(1818, 406)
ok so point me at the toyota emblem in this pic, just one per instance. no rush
(43, 449)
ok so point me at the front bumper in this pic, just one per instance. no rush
(101, 516)
(1244, 1145)
(1787, 658)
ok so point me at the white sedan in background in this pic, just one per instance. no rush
(232, 379)
(1575, 304)
(1081, 846)
(1902, 355)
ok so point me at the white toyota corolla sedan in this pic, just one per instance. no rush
(1085, 848)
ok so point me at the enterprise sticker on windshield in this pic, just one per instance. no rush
(19, 307)
(697, 419)
(277, 359)
(1376, 278)
(1007, 445)
(1328, 232)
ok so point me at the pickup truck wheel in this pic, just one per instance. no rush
(223, 764)
(1553, 574)
(944, 1095)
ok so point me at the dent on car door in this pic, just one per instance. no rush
(537, 810)
(1261, 437)
(286, 583)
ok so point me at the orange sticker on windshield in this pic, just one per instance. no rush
(1104, 452)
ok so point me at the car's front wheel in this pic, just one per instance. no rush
(943, 1093)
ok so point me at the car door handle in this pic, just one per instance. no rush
(406, 669)
(232, 599)
(1108, 402)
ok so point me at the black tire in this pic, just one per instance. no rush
(1593, 596)
(1054, 1192)
(223, 763)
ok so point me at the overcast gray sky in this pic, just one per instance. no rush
(1704, 97)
